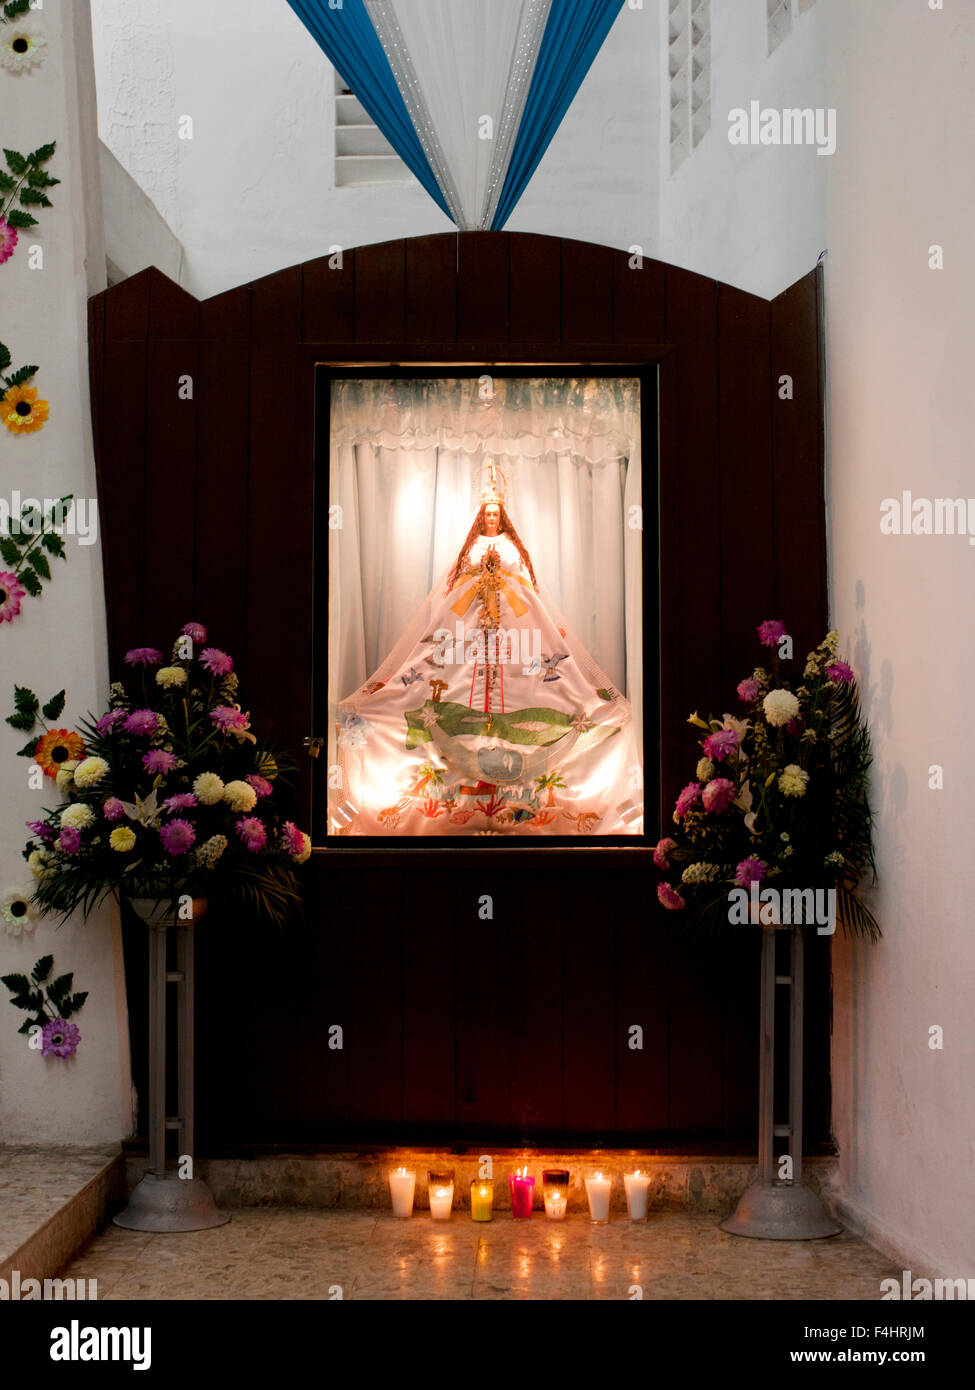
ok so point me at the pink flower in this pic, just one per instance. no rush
(11, 589)
(260, 784)
(218, 663)
(9, 236)
(750, 870)
(196, 632)
(671, 900)
(688, 798)
(143, 656)
(718, 795)
(720, 744)
(252, 832)
(662, 850)
(292, 838)
(182, 801)
(771, 632)
(108, 721)
(177, 837)
(748, 690)
(839, 672)
(41, 830)
(142, 721)
(226, 718)
(69, 841)
(158, 760)
(113, 809)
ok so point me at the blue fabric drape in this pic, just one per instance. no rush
(573, 36)
(352, 46)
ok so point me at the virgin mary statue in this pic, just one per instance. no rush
(488, 717)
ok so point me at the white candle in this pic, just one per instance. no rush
(441, 1201)
(401, 1186)
(555, 1205)
(637, 1194)
(598, 1189)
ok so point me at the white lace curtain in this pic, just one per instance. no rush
(403, 458)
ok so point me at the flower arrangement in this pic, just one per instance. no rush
(23, 181)
(169, 794)
(779, 798)
(21, 411)
(50, 1004)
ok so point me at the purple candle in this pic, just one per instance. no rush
(522, 1190)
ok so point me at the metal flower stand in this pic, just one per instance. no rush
(771, 1209)
(165, 1200)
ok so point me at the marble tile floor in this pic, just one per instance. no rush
(283, 1253)
(36, 1182)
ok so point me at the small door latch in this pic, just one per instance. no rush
(314, 745)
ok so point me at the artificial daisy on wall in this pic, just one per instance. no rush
(17, 913)
(21, 50)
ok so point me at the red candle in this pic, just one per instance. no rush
(522, 1190)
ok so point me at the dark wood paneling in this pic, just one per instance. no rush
(375, 1041)
(328, 300)
(380, 293)
(533, 959)
(483, 288)
(587, 293)
(641, 965)
(431, 289)
(588, 912)
(536, 290)
(639, 300)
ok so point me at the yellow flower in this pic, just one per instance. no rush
(122, 839)
(208, 789)
(22, 412)
(77, 816)
(695, 718)
(239, 796)
(170, 675)
(793, 781)
(89, 772)
(65, 775)
(705, 770)
(37, 863)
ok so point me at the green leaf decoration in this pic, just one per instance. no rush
(42, 154)
(22, 722)
(16, 163)
(17, 984)
(30, 582)
(25, 701)
(15, 7)
(21, 375)
(27, 1025)
(5, 358)
(61, 988)
(20, 220)
(54, 707)
(28, 749)
(42, 969)
(9, 550)
(40, 563)
(7, 184)
(77, 1000)
(54, 545)
(40, 178)
(33, 197)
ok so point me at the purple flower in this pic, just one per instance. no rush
(689, 797)
(196, 632)
(839, 672)
(218, 663)
(69, 841)
(771, 632)
(720, 744)
(252, 832)
(750, 870)
(669, 898)
(292, 838)
(260, 784)
(748, 690)
(59, 1039)
(113, 809)
(143, 656)
(718, 795)
(158, 760)
(182, 801)
(142, 721)
(660, 853)
(108, 721)
(41, 829)
(226, 718)
(177, 837)
(795, 726)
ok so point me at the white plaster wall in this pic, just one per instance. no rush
(903, 416)
(59, 639)
(136, 234)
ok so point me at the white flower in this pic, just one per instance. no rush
(17, 913)
(90, 772)
(240, 796)
(737, 726)
(38, 863)
(780, 706)
(65, 776)
(793, 781)
(208, 788)
(77, 816)
(168, 676)
(699, 873)
(207, 854)
(21, 49)
(834, 860)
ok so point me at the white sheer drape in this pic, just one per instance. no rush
(403, 459)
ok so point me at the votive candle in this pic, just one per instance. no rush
(482, 1200)
(522, 1190)
(441, 1191)
(598, 1190)
(401, 1188)
(555, 1190)
(637, 1194)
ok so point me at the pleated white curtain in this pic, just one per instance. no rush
(403, 459)
(455, 63)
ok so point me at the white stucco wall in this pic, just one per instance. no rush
(59, 639)
(903, 417)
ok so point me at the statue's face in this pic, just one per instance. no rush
(492, 519)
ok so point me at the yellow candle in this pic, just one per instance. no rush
(482, 1200)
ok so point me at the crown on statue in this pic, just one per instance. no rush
(494, 488)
